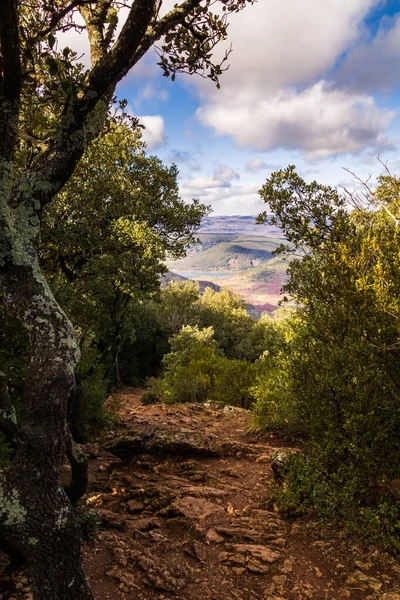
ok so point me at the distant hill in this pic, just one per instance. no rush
(227, 253)
(236, 253)
(170, 276)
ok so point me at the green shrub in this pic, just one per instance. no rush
(233, 382)
(89, 521)
(150, 397)
(191, 382)
(340, 495)
(94, 390)
(196, 370)
(190, 367)
(338, 378)
(274, 403)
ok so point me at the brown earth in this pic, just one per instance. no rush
(185, 500)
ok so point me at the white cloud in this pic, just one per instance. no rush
(238, 199)
(257, 164)
(274, 96)
(374, 65)
(201, 184)
(153, 134)
(321, 120)
(277, 43)
(225, 173)
(222, 179)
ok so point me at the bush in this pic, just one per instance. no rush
(150, 397)
(190, 367)
(338, 377)
(308, 486)
(196, 370)
(233, 382)
(94, 390)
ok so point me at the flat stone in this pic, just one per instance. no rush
(234, 559)
(111, 519)
(261, 553)
(238, 570)
(144, 524)
(194, 508)
(135, 506)
(200, 551)
(255, 566)
(287, 566)
(263, 458)
(213, 537)
(358, 578)
(363, 566)
(206, 492)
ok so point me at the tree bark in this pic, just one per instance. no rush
(117, 375)
(35, 513)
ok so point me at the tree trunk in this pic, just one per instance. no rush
(41, 521)
(35, 513)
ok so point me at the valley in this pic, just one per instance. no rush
(235, 253)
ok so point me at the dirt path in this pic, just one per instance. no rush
(198, 523)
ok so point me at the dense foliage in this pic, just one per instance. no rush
(216, 348)
(103, 247)
(338, 378)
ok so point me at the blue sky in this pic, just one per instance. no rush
(313, 83)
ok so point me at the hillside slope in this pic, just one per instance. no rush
(236, 253)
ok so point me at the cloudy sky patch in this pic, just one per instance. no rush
(312, 83)
(154, 130)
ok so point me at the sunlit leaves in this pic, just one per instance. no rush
(339, 378)
(107, 235)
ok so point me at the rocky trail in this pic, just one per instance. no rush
(184, 494)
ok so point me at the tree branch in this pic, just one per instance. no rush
(95, 17)
(162, 27)
(116, 64)
(84, 117)
(57, 17)
(80, 124)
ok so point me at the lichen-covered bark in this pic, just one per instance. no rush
(35, 513)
